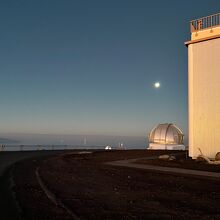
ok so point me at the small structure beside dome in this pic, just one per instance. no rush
(166, 137)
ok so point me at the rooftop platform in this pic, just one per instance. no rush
(205, 28)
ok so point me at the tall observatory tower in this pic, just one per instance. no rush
(204, 86)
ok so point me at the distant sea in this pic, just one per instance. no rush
(26, 142)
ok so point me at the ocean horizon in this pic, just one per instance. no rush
(15, 142)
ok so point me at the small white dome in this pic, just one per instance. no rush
(108, 148)
(166, 134)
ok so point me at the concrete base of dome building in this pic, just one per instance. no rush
(155, 146)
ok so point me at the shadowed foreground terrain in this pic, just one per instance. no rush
(92, 189)
(7, 204)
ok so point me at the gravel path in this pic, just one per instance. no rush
(130, 163)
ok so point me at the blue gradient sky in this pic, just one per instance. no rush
(88, 67)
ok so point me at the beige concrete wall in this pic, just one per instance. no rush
(210, 32)
(204, 97)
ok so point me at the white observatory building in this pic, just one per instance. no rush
(166, 137)
(204, 86)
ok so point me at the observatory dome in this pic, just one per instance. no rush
(166, 136)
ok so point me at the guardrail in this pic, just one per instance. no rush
(205, 22)
(38, 147)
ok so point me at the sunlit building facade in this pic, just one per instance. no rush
(204, 86)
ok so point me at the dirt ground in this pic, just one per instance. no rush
(94, 190)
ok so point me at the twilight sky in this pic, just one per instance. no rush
(88, 67)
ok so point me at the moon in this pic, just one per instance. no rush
(157, 85)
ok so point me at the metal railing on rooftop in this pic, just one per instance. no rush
(205, 22)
